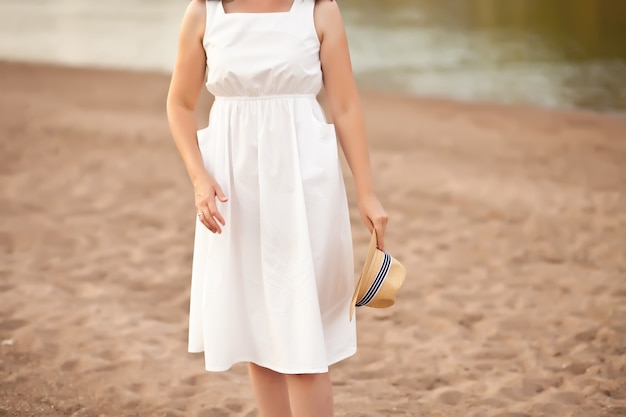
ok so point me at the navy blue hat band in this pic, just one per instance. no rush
(378, 282)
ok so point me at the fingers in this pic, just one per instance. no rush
(374, 216)
(207, 190)
(210, 216)
(220, 194)
(380, 239)
(205, 217)
(380, 224)
(215, 213)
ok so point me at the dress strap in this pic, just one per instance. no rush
(304, 9)
(303, 5)
(212, 6)
(296, 4)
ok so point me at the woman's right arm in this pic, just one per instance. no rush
(185, 86)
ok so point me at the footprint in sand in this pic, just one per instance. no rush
(421, 383)
(70, 365)
(132, 404)
(533, 386)
(493, 402)
(137, 388)
(368, 375)
(541, 384)
(109, 355)
(104, 368)
(78, 321)
(450, 397)
(495, 354)
(619, 293)
(4, 288)
(587, 335)
(511, 393)
(192, 380)
(618, 392)
(468, 320)
(183, 393)
(234, 405)
(577, 368)
(568, 397)
(11, 325)
(213, 412)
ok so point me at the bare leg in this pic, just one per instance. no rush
(270, 390)
(310, 395)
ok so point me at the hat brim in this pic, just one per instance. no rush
(371, 251)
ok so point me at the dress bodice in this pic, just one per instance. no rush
(262, 54)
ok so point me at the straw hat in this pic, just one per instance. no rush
(381, 277)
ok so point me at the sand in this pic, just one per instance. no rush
(510, 220)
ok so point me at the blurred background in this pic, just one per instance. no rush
(551, 53)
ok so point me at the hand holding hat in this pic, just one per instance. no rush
(374, 217)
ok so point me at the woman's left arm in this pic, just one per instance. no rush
(345, 109)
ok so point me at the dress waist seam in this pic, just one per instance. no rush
(265, 97)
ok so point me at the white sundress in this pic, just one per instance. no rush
(275, 287)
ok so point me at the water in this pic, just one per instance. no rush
(552, 53)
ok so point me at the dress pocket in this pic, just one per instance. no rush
(205, 145)
(318, 116)
(326, 135)
(318, 148)
(203, 136)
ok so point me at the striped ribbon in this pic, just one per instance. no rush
(378, 282)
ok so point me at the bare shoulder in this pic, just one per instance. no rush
(194, 20)
(327, 17)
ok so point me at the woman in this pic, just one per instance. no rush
(272, 274)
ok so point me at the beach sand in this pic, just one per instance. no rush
(511, 222)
